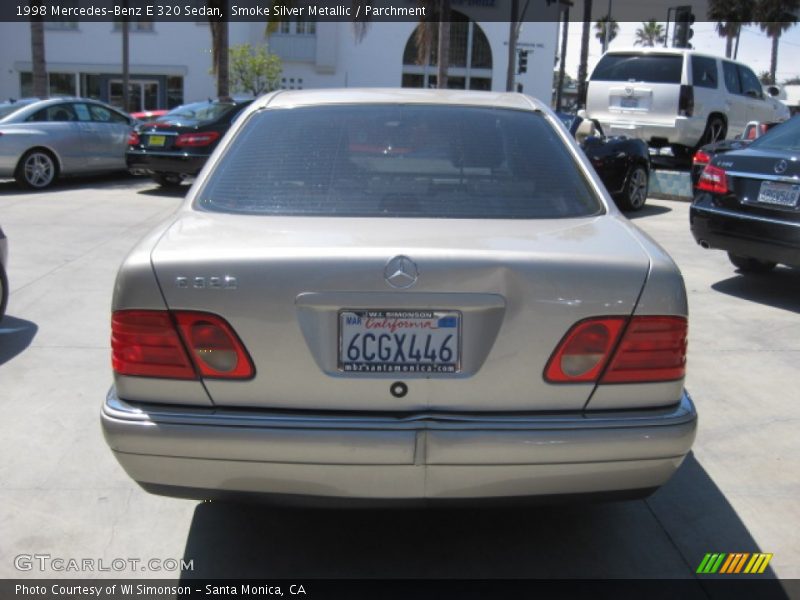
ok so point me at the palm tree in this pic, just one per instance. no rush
(37, 56)
(650, 34)
(583, 65)
(730, 16)
(774, 17)
(219, 47)
(605, 31)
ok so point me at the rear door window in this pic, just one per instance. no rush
(649, 68)
(731, 74)
(704, 72)
(55, 113)
(418, 161)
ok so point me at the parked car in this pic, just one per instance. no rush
(622, 163)
(146, 116)
(676, 97)
(3, 276)
(748, 202)
(177, 145)
(705, 154)
(398, 294)
(46, 139)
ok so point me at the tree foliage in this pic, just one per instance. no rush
(650, 34)
(773, 18)
(254, 69)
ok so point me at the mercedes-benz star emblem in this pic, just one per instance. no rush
(400, 272)
(781, 166)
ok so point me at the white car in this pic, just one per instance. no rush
(677, 97)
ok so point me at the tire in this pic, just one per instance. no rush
(37, 169)
(168, 180)
(716, 130)
(3, 292)
(634, 194)
(750, 265)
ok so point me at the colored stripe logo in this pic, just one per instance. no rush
(733, 563)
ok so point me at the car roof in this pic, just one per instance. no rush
(665, 51)
(290, 98)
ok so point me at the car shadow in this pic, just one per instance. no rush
(116, 179)
(779, 288)
(166, 192)
(664, 536)
(648, 210)
(15, 336)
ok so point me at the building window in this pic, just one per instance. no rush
(469, 63)
(298, 27)
(90, 86)
(59, 84)
(290, 83)
(57, 25)
(174, 91)
(136, 25)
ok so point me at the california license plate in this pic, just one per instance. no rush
(629, 102)
(779, 194)
(399, 341)
(156, 140)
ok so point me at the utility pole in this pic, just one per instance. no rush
(512, 46)
(562, 67)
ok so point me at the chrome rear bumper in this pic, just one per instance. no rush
(420, 456)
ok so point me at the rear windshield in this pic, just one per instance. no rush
(786, 137)
(199, 112)
(650, 68)
(417, 161)
(7, 109)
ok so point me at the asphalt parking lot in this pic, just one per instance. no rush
(64, 495)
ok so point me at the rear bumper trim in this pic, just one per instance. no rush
(418, 456)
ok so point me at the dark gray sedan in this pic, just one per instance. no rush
(43, 139)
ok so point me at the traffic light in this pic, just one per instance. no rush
(684, 19)
(523, 62)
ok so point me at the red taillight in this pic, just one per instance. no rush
(133, 139)
(650, 349)
(701, 158)
(191, 140)
(714, 180)
(152, 343)
(146, 343)
(216, 349)
(686, 101)
(584, 351)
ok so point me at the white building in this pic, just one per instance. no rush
(170, 62)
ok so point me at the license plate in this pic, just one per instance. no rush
(629, 102)
(156, 140)
(779, 194)
(399, 341)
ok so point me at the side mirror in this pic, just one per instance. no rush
(774, 91)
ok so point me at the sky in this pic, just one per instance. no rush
(754, 46)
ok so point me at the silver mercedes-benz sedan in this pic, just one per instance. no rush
(412, 295)
(43, 139)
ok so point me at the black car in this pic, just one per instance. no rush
(177, 145)
(622, 163)
(703, 156)
(748, 202)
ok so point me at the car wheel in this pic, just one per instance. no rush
(750, 265)
(36, 170)
(635, 193)
(716, 129)
(168, 179)
(3, 292)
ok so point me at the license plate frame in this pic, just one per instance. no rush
(156, 140)
(779, 195)
(429, 341)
